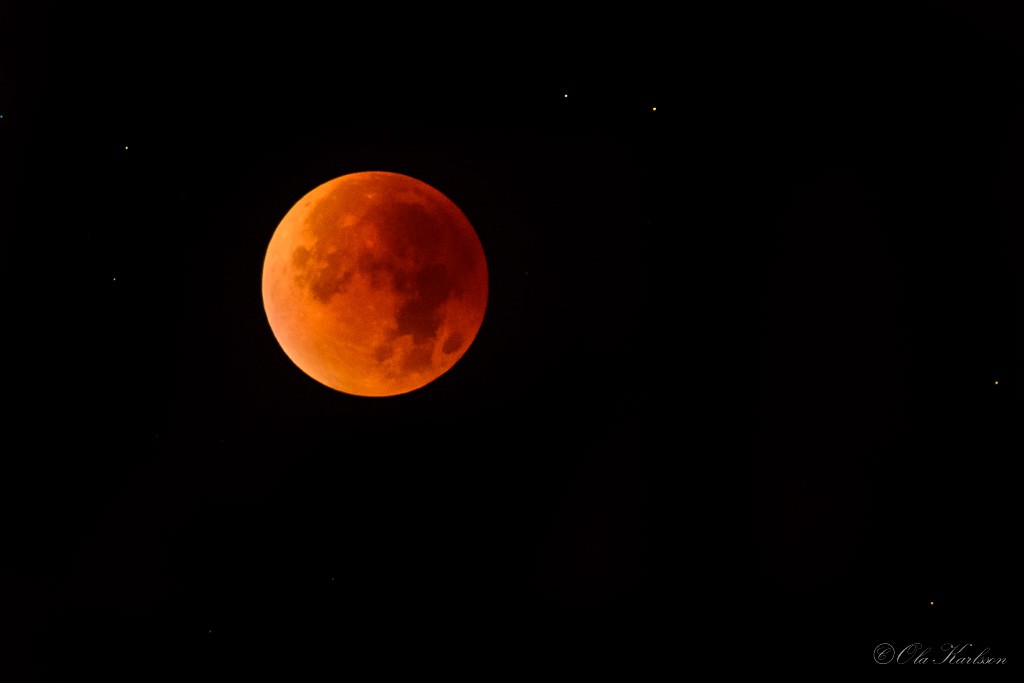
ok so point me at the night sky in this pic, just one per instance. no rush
(745, 392)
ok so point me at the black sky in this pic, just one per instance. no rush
(754, 278)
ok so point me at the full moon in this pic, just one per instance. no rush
(375, 284)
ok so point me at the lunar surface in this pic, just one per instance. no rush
(375, 284)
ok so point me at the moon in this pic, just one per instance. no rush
(375, 284)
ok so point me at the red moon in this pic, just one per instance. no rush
(375, 284)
